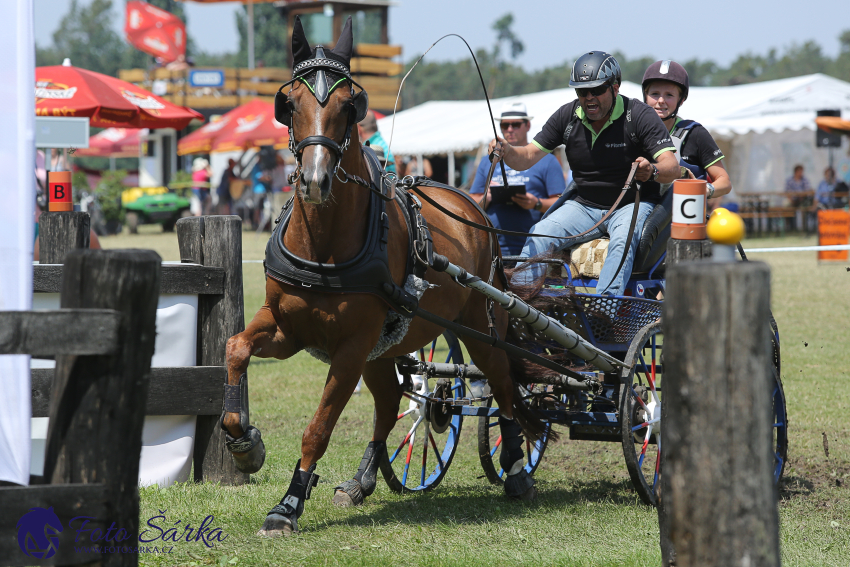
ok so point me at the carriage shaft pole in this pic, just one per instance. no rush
(532, 317)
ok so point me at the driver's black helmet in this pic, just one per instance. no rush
(594, 69)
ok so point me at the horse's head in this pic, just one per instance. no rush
(320, 109)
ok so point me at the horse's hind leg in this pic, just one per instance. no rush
(263, 338)
(381, 379)
(496, 366)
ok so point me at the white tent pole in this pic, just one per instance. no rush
(250, 34)
(452, 169)
(420, 167)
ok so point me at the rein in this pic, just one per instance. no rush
(412, 183)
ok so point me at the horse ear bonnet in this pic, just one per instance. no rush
(300, 46)
(361, 105)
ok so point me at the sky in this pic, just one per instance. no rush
(556, 30)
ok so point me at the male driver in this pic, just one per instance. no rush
(543, 183)
(368, 128)
(603, 133)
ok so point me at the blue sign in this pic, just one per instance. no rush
(206, 78)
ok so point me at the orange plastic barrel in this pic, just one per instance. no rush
(59, 191)
(688, 209)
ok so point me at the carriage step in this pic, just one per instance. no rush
(586, 432)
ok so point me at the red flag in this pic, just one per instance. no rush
(155, 31)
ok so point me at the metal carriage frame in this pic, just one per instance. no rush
(615, 398)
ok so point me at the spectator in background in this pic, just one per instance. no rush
(281, 191)
(411, 167)
(797, 183)
(825, 193)
(368, 129)
(223, 190)
(260, 181)
(544, 182)
(201, 186)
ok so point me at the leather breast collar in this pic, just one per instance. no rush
(368, 271)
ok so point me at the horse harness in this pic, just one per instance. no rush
(368, 271)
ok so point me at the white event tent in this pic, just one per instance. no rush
(763, 128)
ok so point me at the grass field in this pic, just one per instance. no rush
(587, 514)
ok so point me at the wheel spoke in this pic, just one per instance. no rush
(433, 350)
(408, 412)
(407, 460)
(406, 438)
(436, 451)
(644, 446)
(639, 399)
(496, 446)
(424, 454)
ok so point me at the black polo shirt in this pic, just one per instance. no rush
(601, 162)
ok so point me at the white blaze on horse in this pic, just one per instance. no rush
(343, 265)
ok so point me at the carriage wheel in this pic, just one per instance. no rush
(489, 441)
(640, 412)
(427, 437)
(640, 396)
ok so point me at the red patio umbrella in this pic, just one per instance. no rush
(155, 31)
(63, 90)
(254, 128)
(114, 142)
(248, 126)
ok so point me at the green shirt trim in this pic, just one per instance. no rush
(619, 108)
(715, 161)
(541, 148)
(661, 151)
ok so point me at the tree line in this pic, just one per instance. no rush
(87, 37)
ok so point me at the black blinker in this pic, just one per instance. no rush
(283, 109)
(361, 105)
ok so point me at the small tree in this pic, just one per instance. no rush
(109, 195)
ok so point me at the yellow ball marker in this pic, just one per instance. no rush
(725, 229)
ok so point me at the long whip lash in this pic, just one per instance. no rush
(483, 86)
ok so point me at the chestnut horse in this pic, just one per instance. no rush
(328, 225)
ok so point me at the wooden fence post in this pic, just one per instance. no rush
(720, 498)
(215, 241)
(61, 232)
(98, 402)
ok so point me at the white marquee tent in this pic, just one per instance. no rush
(763, 128)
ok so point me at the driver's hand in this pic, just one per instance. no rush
(502, 148)
(644, 170)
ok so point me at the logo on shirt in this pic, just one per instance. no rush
(659, 142)
(717, 152)
(612, 145)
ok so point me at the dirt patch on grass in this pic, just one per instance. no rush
(809, 479)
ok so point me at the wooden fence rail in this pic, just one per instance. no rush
(211, 267)
(96, 408)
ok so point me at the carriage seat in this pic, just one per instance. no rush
(586, 259)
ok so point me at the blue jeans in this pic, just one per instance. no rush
(574, 218)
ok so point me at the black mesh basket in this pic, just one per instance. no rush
(613, 320)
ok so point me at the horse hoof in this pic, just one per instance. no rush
(342, 499)
(276, 526)
(349, 493)
(253, 454)
(529, 495)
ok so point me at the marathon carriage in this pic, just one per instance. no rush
(614, 391)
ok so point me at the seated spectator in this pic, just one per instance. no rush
(223, 190)
(797, 183)
(825, 193)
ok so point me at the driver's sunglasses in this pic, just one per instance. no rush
(596, 91)
(514, 125)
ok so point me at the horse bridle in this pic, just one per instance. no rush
(321, 90)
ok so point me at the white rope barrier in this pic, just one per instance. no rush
(746, 250)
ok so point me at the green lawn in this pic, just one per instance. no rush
(587, 512)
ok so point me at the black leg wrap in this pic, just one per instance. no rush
(520, 486)
(366, 479)
(512, 441)
(249, 451)
(236, 401)
(283, 518)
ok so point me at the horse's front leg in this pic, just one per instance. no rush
(346, 368)
(382, 381)
(261, 338)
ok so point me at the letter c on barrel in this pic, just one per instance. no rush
(688, 209)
